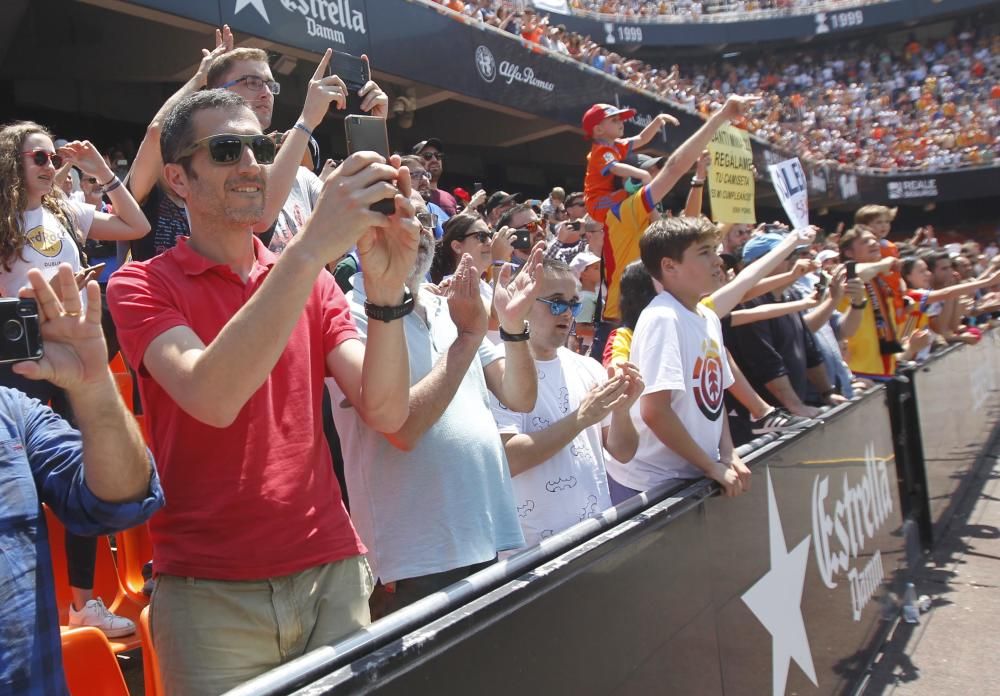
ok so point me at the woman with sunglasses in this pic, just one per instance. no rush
(41, 228)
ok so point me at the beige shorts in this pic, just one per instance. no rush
(213, 635)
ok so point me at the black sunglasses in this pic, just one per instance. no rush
(484, 236)
(227, 148)
(41, 157)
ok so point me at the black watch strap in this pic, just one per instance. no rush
(515, 338)
(387, 314)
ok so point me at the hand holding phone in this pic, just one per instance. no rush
(522, 239)
(355, 73)
(368, 133)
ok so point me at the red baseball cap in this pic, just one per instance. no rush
(599, 112)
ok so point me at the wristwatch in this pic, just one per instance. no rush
(860, 305)
(387, 314)
(515, 338)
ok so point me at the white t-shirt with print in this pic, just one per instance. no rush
(681, 351)
(47, 244)
(572, 485)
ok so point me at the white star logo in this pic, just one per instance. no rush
(776, 601)
(256, 4)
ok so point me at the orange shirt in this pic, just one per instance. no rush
(599, 182)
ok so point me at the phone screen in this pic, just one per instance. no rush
(367, 133)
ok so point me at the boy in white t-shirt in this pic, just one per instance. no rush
(556, 452)
(677, 346)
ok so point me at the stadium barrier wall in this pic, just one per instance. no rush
(681, 591)
(498, 68)
(721, 30)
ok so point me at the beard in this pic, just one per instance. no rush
(425, 257)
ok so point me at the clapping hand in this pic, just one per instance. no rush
(513, 299)
(75, 353)
(465, 305)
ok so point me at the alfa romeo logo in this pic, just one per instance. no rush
(486, 64)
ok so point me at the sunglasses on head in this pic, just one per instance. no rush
(255, 84)
(40, 157)
(484, 236)
(227, 148)
(428, 156)
(557, 307)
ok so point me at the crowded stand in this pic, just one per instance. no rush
(319, 391)
(918, 105)
(693, 10)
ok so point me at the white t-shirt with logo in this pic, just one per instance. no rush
(681, 351)
(47, 244)
(572, 485)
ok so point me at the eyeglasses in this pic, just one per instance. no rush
(532, 226)
(420, 174)
(427, 220)
(557, 307)
(255, 84)
(41, 157)
(228, 148)
(428, 156)
(484, 236)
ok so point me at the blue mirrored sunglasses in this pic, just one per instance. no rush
(558, 307)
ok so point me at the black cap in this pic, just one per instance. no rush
(500, 198)
(646, 162)
(433, 142)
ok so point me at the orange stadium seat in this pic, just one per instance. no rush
(106, 582)
(135, 549)
(90, 665)
(150, 665)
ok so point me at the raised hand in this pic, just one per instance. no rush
(701, 167)
(388, 250)
(323, 90)
(668, 120)
(75, 354)
(513, 299)
(502, 247)
(465, 305)
(373, 100)
(84, 156)
(223, 44)
(737, 105)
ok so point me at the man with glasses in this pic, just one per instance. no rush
(438, 501)
(556, 452)
(256, 560)
(421, 179)
(519, 218)
(431, 152)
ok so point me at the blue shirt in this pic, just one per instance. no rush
(442, 218)
(41, 460)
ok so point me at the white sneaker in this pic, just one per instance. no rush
(95, 614)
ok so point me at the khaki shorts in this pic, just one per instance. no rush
(212, 635)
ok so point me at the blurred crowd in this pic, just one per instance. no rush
(930, 104)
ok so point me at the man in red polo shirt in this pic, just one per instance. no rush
(256, 560)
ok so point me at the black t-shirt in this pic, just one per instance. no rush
(766, 350)
(167, 222)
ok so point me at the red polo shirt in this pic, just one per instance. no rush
(258, 499)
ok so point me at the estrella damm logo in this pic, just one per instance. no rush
(48, 243)
(707, 377)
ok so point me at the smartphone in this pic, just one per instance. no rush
(852, 271)
(97, 268)
(368, 133)
(21, 338)
(522, 239)
(822, 284)
(354, 72)
(575, 225)
(477, 186)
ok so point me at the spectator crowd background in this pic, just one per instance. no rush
(919, 105)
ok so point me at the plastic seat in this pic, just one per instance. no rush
(123, 378)
(135, 549)
(150, 663)
(106, 583)
(90, 665)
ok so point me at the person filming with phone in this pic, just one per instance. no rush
(232, 345)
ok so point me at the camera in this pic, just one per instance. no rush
(20, 332)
